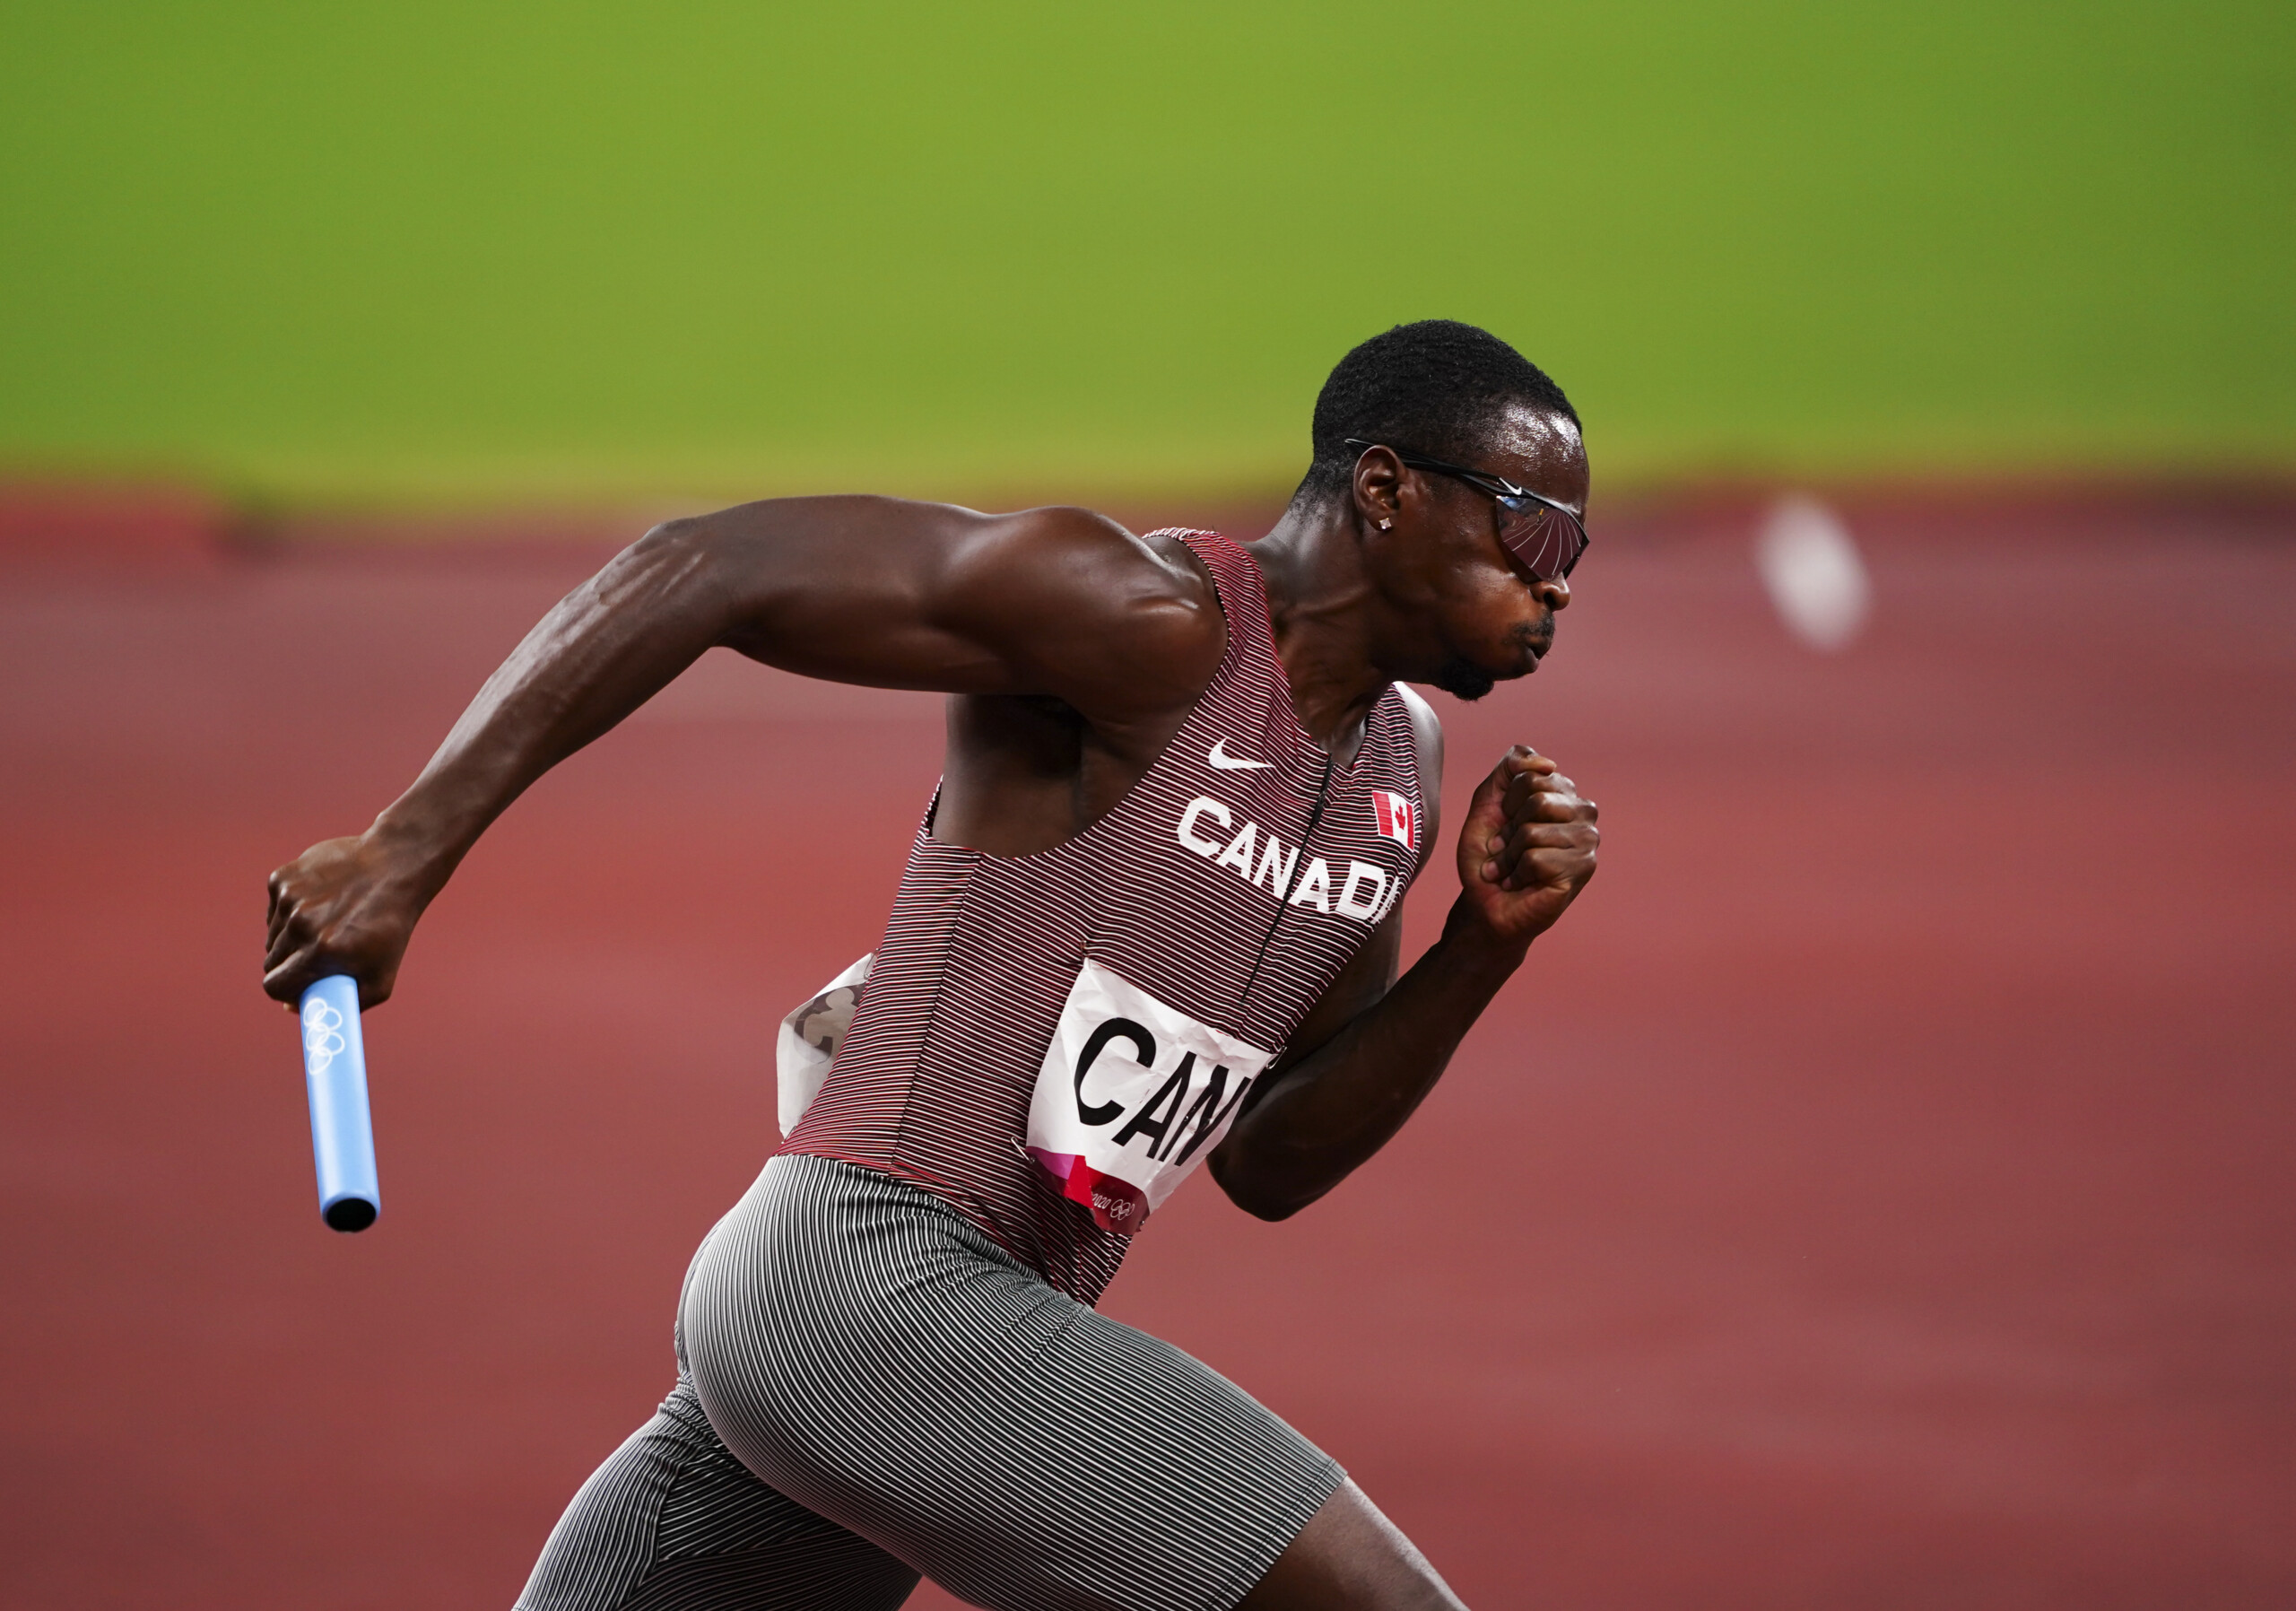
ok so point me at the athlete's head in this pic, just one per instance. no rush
(1439, 390)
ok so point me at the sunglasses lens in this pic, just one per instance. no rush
(1547, 541)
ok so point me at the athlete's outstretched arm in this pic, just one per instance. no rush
(1525, 850)
(876, 590)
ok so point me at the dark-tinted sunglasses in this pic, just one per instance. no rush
(1546, 536)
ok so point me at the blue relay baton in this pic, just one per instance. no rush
(342, 1138)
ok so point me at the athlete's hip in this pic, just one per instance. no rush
(827, 1271)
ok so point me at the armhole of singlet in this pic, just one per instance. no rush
(1229, 646)
(1406, 701)
(1222, 676)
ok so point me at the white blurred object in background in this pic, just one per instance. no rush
(1813, 571)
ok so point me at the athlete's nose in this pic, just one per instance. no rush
(1555, 595)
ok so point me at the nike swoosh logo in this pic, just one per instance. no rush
(1223, 762)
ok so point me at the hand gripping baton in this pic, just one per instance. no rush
(334, 1068)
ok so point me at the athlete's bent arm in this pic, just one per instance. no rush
(1525, 850)
(874, 590)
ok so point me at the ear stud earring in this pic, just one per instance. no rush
(1386, 525)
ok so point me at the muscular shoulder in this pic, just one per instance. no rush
(1056, 602)
(1118, 624)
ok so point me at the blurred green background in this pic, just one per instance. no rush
(476, 252)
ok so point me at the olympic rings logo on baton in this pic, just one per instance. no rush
(322, 1035)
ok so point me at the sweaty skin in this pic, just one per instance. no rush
(1072, 652)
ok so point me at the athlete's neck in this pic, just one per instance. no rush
(1324, 612)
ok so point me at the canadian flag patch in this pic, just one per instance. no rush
(1397, 818)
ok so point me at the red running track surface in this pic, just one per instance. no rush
(1877, 1194)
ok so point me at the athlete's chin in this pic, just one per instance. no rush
(1465, 679)
(1462, 678)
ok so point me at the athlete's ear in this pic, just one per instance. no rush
(1378, 487)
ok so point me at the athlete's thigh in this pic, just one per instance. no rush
(1350, 1557)
(873, 1356)
(674, 1522)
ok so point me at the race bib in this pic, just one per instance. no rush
(807, 1044)
(1132, 1097)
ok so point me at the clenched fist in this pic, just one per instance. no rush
(1527, 846)
(344, 906)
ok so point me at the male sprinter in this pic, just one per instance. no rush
(1150, 918)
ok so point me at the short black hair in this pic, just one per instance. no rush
(1436, 387)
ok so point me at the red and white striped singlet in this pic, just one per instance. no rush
(1127, 986)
